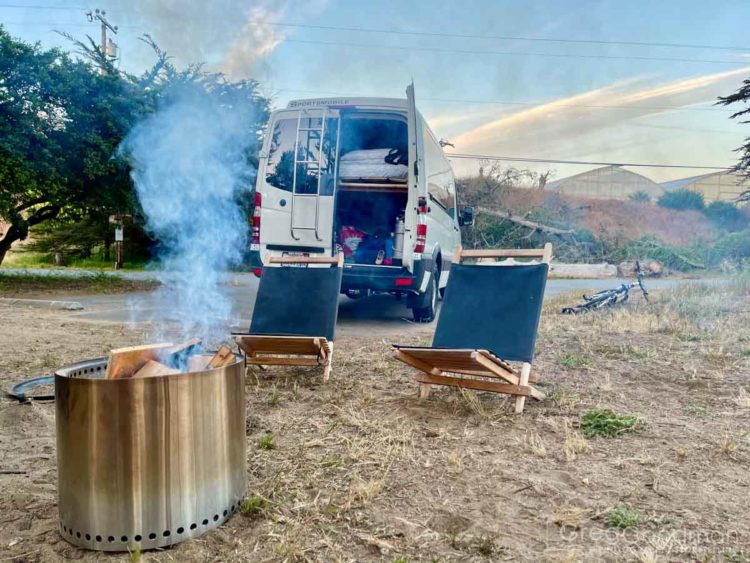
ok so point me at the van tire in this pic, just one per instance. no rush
(427, 314)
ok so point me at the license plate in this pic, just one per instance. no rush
(255, 247)
(292, 254)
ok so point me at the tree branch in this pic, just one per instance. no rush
(526, 223)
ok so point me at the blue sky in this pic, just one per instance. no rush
(664, 111)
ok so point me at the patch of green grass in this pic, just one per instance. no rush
(696, 410)
(98, 282)
(574, 360)
(253, 505)
(734, 556)
(266, 442)
(623, 516)
(605, 422)
(400, 559)
(23, 259)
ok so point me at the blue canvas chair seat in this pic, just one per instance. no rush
(294, 319)
(489, 318)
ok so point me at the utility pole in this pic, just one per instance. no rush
(108, 49)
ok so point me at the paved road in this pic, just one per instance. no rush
(379, 314)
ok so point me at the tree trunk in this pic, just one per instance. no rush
(11, 236)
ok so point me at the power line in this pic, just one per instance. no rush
(448, 35)
(503, 37)
(513, 103)
(407, 48)
(466, 156)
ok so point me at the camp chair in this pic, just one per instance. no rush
(489, 317)
(295, 312)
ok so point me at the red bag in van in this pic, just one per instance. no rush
(350, 237)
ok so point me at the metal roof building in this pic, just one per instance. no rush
(722, 185)
(608, 182)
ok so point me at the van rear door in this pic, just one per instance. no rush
(410, 220)
(298, 180)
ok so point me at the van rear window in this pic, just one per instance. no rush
(312, 160)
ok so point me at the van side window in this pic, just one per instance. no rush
(440, 184)
(281, 157)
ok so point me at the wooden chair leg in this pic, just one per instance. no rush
(424, 390)
(329, 358)
(523, 380)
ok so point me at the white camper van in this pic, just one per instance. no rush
(369, 178)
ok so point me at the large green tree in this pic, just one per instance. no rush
(62, 120)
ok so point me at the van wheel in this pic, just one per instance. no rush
(427, 314)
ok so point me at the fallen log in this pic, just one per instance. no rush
(508, 216)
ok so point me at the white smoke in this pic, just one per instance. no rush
(231, 36)
(190, 166)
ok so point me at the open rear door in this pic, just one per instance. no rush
(415, 168)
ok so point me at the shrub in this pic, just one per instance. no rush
(673, 257)
(641, 196)
(682, 200)
(623, 516)
(605, 422)
(734, 247)
(725, 215)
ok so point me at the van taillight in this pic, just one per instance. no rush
(256, 220)
(421, 238)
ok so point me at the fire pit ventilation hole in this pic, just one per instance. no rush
(205, 522)
(138, 537)
(111, 539)
(180, 530)
(124, 539)
(88, 537)
(78, 535)
(152, 536)
(193, 526)
(98, 539)
(216, 517)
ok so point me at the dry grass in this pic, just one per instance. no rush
(362, 471)
(575, 444)
(570, 517)
(742, 399)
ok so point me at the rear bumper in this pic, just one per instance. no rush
(375, 278)
(383, 278)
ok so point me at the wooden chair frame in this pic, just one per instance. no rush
(267, 350)
(462, 368)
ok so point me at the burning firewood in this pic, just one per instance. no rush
(177, 356)
(199, 362)
(223, 357)
(154, 369)
(125, 362)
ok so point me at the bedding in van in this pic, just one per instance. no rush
(373, 163)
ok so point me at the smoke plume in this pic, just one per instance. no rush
(190, 167)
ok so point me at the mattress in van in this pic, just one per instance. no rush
(370, 164)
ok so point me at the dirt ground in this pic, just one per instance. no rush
(362, 471)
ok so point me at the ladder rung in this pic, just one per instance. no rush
(318, 129)
(307, 162)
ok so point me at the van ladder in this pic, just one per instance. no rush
(311, 134)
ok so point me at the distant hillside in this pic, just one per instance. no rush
(603, 217)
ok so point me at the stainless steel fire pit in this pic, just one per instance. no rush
(148, 462)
